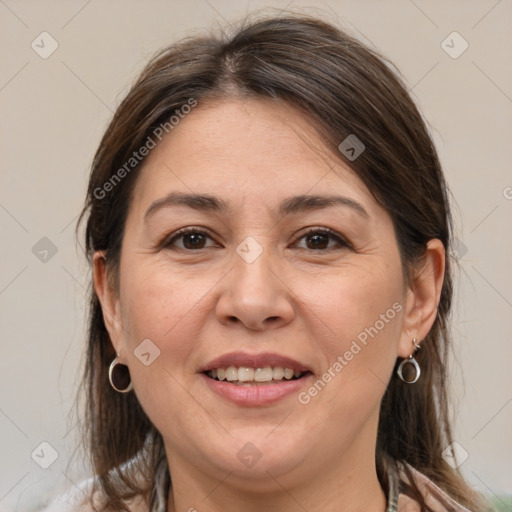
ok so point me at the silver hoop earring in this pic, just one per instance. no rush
(408, 365)
(119, 376)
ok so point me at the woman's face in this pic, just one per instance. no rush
(257, 279)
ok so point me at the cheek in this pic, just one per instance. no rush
(155, 301)
(168, 311)
(360, 313)
(358, 318)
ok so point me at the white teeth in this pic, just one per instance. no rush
(246, 374)
(277, 372)
(231, 373)
(263, 374)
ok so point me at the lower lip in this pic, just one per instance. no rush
(258, 394)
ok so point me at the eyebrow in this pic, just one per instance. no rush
(292, 205)
(302, 203)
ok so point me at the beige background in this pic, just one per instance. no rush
(54, 110)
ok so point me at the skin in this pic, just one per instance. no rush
(295, 299)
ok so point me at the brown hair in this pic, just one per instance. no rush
(345, 88)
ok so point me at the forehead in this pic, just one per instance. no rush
(243, 149)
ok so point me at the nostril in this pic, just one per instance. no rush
(271, 320)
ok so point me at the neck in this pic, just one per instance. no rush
(349, 484)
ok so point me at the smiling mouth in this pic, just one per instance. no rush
(246, 376)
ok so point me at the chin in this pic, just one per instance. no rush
(258, 456)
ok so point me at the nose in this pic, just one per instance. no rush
(255, 295)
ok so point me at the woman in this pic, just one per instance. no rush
(269, 233)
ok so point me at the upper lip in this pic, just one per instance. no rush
(244, 359)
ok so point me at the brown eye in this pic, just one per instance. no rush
(194, 240)
(191, 239)
(323, 239)
(317, 241)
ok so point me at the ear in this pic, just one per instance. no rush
(109, 300)
(423, 295)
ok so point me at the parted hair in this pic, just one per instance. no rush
(344, 88)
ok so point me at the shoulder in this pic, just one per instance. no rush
(81, 499)
(437, 499)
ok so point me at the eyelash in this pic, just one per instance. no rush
(341, 242)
